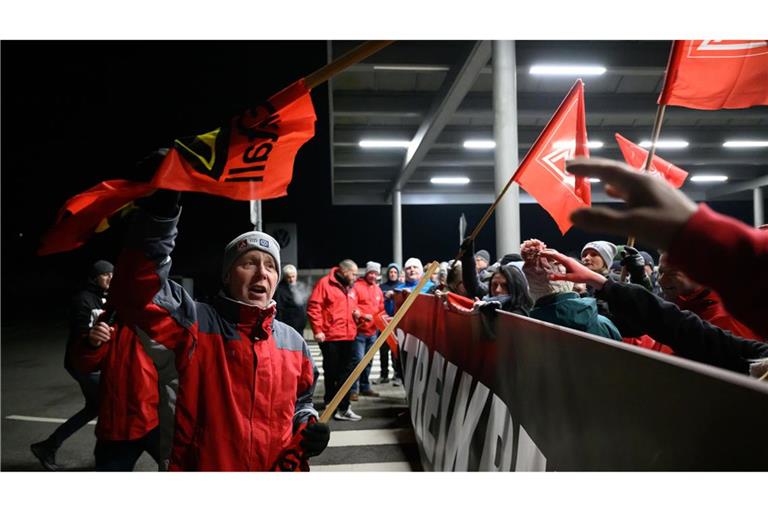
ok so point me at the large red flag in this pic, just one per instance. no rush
(635, 156)
(711, 74)
(542, 173)
(251, 158)
(89, 212)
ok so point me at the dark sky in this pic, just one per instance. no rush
(77, 113)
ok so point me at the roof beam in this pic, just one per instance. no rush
(457, 84)
(738, 187)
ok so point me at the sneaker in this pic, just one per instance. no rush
(347, 415)
(397, 382)
(46, 454)
(369, 392)
(383, 380)
(353, 397)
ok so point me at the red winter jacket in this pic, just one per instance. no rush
(706, 304)
(731, 258)
(330, 309)
(129, 394)
(370, 301)
(245, 379)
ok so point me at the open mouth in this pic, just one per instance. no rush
(256, 290)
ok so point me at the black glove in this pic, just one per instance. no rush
(468, 246)
(633, 261)
(315, 439)
(162, 203)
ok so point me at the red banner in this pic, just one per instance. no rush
(381, 321)
(712, 74)
(635, 156)
(542, 173)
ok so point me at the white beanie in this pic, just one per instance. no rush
(606, 250)
(413, 262)
(372, 266)
(249, 241)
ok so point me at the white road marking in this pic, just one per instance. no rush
(373, 437)
(372, 466)
(41, 420)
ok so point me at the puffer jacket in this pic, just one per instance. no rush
(245, 379)
(569, 310)
(330, 309)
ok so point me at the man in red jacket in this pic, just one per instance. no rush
(245, 379)
(700, 300)
(370, 300)
(333, 314)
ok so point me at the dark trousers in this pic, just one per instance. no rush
(89, 385)
(384, 360)
(338, 363)
(122, 455)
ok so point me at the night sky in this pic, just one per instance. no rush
(77, 113)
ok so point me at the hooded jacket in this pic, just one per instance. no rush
(245, 379)
(330, 309)
(569, 310)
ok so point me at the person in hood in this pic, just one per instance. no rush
(85, 307)
(245, 379)
(388, 289)
(555, 301)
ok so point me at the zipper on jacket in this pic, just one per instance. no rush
(253, 404)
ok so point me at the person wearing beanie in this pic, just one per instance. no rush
(246, 379)
(85, 306)
(413, 271)
(370, 300)
(334, 313)
(482, 260)
(598, 256)
(388, 289)
(555, 301)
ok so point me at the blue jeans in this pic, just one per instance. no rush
(362, 345)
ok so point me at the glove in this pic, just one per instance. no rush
(468, 246)
(162, 203)
(633, 261)
(315, 438)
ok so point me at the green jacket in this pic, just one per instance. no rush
(569, 310)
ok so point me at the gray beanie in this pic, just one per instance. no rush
(247, 242)
(101, 267)
(606, 250)
(372, 266)
(483, 254)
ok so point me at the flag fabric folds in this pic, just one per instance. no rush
(542, 173)
(250, 158)
(89, 212)
(713, 74)
(635, 156)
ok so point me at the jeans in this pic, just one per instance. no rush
(338, 363)
(89, 385)
(362, 345)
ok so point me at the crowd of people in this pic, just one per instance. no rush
(237, 374)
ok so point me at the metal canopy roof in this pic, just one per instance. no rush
(440, 94)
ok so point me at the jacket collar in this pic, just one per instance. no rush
(255, 319)
(554, 298)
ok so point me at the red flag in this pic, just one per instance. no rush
(251, 158)
(635, 156)
(542, 173)
(711, 74)
(89, 212)
(381, 321)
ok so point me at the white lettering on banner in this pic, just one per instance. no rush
(432, 405)
(446, 441)
(445, 398)
(499, 438)
(529, 457)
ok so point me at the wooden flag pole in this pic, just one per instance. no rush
(353, 56)
(652, 151)
(368, 357)
(487, 215)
